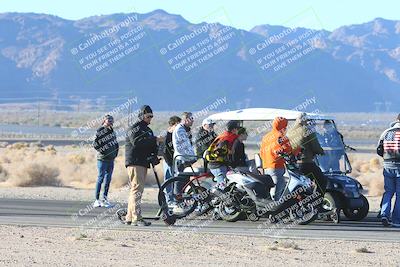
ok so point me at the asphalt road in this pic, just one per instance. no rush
(80, 216)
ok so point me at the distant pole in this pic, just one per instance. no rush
(388, 105)
(38, 120)
(130, 119)
(377, 106)
(38, 114)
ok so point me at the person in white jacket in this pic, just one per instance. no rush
(181, 140)
(184, 154)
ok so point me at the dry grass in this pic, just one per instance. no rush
(36, 174)
(3, 174)
(18, 146)
(77, 168)
(367, 169)
(76, 159)
(72, 166)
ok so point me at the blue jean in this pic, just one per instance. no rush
(279, 181)
(168, 175)
(392, 186)
(105, 169)
(220, 174)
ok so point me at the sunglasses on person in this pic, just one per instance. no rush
(148, 116)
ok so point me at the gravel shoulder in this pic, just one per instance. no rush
(28, 246)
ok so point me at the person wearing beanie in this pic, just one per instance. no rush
(141, 145)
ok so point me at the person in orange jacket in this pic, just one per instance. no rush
(273, 145)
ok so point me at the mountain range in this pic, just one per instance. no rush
(173, 64)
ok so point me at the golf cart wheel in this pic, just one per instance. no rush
(358, 214)
(121, 213)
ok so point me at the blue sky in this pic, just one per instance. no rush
(241, 14)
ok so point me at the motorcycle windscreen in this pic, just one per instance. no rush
(332, 143)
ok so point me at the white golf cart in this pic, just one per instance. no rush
(343, 192)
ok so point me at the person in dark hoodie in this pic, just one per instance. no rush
(141, 146)
(168, 151)
(107, 147)
(239, 157)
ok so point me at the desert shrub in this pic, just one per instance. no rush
(36, 174)
(51, 149)
(120, 179)
(36, 144)
(375, 163)
(76, 159)
(5, 159)
(18, 145)
(375, 186)
(3, 174)
(3, 144)
(364, 168)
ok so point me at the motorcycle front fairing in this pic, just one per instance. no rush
(297, 180)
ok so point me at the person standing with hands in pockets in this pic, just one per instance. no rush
(107, 147)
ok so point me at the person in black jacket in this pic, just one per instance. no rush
(107, 147)
(205, 136)
(141, 146)
(168, 151)
(239, 158)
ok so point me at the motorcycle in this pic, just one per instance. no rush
(248, 196)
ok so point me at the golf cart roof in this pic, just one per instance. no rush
(264, 114)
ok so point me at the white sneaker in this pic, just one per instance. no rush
(97, 204)
(105, 203)
(221, 185)
(177, 209)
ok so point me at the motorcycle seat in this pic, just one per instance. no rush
(263, 178)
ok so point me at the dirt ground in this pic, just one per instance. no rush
(33, 246)
(38, 246)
